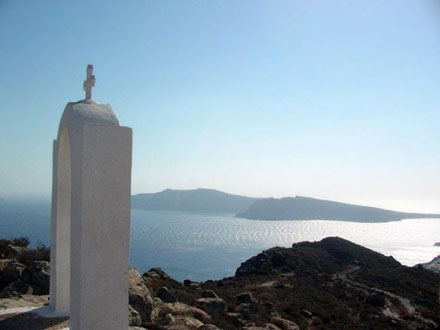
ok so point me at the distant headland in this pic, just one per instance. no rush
(288, 208)
(196, 200)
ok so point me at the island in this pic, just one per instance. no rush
(287, 208)
(306, 208)
(195, 200)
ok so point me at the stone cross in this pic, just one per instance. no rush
(89, 82)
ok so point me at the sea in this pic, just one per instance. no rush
(201, 247)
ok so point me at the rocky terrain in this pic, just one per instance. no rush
(23, 270)
(330, 284)
(433, 265)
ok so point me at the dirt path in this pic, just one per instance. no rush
(404, 301)
(411, 309)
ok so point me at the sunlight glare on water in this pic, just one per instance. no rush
(212, 246)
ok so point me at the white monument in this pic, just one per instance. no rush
(91, 215)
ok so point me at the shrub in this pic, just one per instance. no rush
(21, 241)
(40, 253)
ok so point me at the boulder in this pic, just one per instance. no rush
(247, 310)
(284, 324)
(38, 274)
(139, 296)
(271, 309)
(181, 309)
(245, 298)
(11, 272)
(134, 318)
(158, 273)
(307, 314)
(235, 319)
(188, 321)
(15, 252)
(209, 294)
(4, 263)
(169, 319)
(191, 284)
(165, 295)
(16, 289)
(208, 327)
(211, 305)
(187, 282)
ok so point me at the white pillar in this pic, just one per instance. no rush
(92, 175)
(60, 229)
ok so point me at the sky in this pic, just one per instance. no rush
(328, 99)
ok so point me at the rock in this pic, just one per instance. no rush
(157, 273)
(182, 309)
(191, 284)
(3, 247)
(246, 298)
(235, 319)
(247, 310)
(307, 314)
(169, 319)
(211, 305)
(15, 251)
(209, 294)
(38, 274)
(284, 324)
(157, 301)
(139, 296)
(208, 327)
(134, 318)
(16, 289)
(316, 321)
(271, 309)
(4, 263)
(188, 321)
(270, 326)
(437, 244)
(11, 272)
(172, 327)
(165, 295)
(433, 265)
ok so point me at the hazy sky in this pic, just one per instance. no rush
(329, 99)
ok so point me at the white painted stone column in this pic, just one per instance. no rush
(60, 228)
(91, 217)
